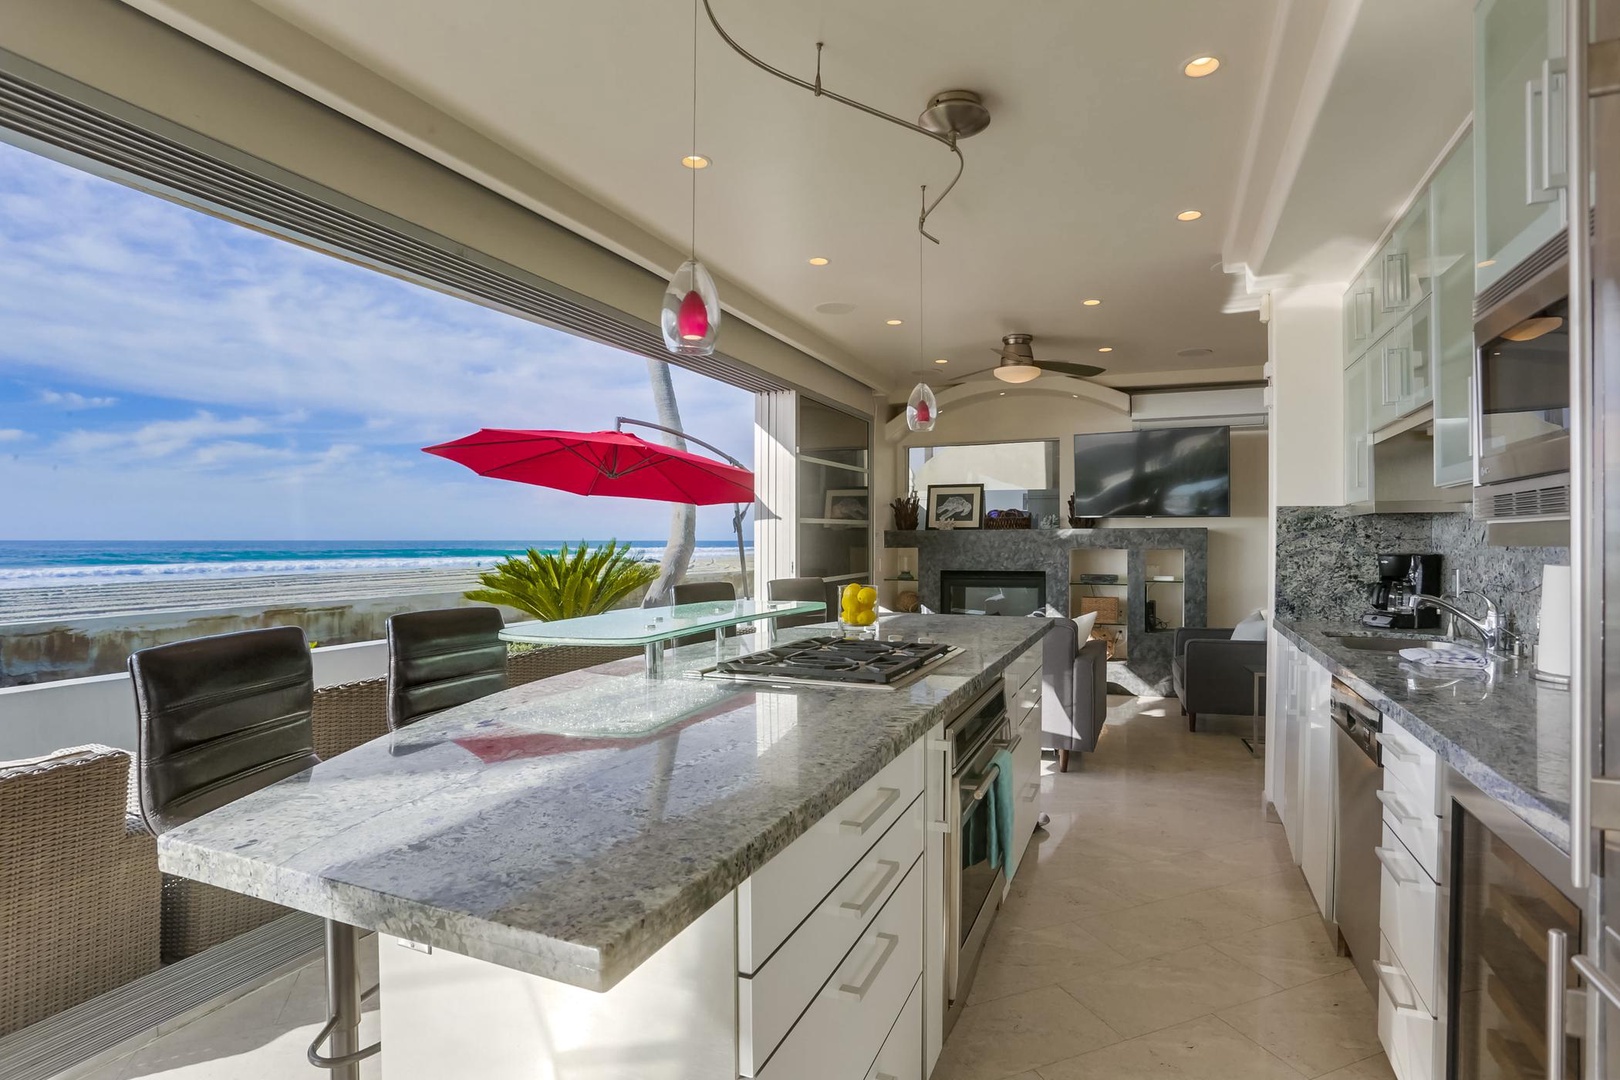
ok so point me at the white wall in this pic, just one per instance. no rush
(1306, 346)
(37, 719)
(1239, 546)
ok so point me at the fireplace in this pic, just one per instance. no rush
(992, 592)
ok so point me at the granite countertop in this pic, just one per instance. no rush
(547, 829)
(1505, 732)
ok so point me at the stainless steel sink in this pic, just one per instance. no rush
(1387, 644)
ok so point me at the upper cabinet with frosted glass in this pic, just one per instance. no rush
(1451, 212)
(1519, 138)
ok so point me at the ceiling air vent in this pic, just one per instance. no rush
(1542, 497)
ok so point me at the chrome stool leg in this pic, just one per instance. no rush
(343, 1000)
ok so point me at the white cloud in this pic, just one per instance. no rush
(12, 434)
(68, 399)
(159, 438)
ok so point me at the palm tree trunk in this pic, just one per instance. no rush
(682, 517)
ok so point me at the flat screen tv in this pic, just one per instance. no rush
(1154, 472)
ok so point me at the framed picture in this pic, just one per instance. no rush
(955, 506)
(853, 505)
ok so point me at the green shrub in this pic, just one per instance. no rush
(565, 584)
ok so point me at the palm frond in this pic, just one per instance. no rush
(566, 584)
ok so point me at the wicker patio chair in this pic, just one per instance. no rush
(79, 884)
(349, 714)
(548, 660)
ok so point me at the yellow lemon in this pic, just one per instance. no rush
(867, 596)
(865, 618)
(851, 591)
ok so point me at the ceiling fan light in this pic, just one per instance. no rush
(691, 313)
(1016, 372)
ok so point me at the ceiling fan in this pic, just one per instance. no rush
(1018, 363)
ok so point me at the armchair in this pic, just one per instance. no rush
(1210, 672)
(1074, 691)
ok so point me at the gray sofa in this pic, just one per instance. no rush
(1074, 692)
(1210, 675)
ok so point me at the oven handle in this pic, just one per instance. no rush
(981, 786)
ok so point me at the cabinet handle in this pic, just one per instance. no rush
(1397, 286)
(1552, 71)
(1390, 858)
(1534, 194)
(1392, 803)
(860, 827)
(858, 908)
(1393, 746)
(858, 991)
(981, 786)
(1388, 974)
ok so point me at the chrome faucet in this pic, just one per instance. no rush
(1492, 634)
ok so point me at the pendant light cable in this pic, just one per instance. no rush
(694, 171)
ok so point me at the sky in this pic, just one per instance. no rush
(166, 375)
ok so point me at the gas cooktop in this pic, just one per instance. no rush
(836, 660)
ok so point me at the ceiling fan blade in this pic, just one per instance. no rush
(1079, 371)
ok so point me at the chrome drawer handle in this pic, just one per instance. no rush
(981, 787)
(1392, 803)
(1389, 857)
(1387, 973)
(860, 827)
(1405, 757)
(858, 992)
(859, 908)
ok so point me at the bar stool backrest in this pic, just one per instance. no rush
(440, 659)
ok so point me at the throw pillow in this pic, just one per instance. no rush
(1083, 625)
(1251, 629)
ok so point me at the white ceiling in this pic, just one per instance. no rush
(1097, 142)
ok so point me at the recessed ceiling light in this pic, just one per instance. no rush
(942, 361)
(1487, 262)
(892, 322)
(1199, 66)
(1091, 303)
(1196, 350)
(1001, 393)
(696, 161)
(819, 261)
(1106, 348)
(835, 307)
(1189, 215)
(1074, 395)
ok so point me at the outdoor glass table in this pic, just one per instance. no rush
(654, 627)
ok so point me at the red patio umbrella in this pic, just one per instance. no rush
(608, 463)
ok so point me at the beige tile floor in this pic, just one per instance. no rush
(1157, 929)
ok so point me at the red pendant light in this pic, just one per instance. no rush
(691, 315)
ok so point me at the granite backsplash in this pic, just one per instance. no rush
(1325, 557)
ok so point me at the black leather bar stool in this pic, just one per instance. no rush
(800, 588)
(440, 659)
(219, 718)
(701, 592)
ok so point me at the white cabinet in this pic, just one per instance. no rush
(1318, 807)
(1452, 323)
(1289, 739)
(1519, 138)
(1359, 303)
(1409, 1032)
(1357, 447)
(936, 782)
(1402, 267)
(1026, 755)
(1401, 378)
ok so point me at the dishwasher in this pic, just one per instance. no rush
(1360, 769)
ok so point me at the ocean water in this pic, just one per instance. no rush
(25, 563)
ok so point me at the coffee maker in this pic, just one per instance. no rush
(1392, 598)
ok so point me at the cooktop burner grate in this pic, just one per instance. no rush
(837, 660)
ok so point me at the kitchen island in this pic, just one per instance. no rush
(592, 846)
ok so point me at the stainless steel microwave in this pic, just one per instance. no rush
(1521, 412)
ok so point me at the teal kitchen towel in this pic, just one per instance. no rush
(1001, 813)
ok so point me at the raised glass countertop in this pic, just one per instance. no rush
(648, 626)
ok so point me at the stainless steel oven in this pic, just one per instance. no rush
(973, 886)
(1521, 402)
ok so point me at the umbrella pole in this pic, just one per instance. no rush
(737, 516)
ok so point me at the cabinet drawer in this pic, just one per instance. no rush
(1418, 829)
(771, 999)
(1409, 917)
(779, 895)
(1413, 766)
(1022, 670)
(846, 1025)
(1405, 1026)
(1026, 757)
(902, 1053)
